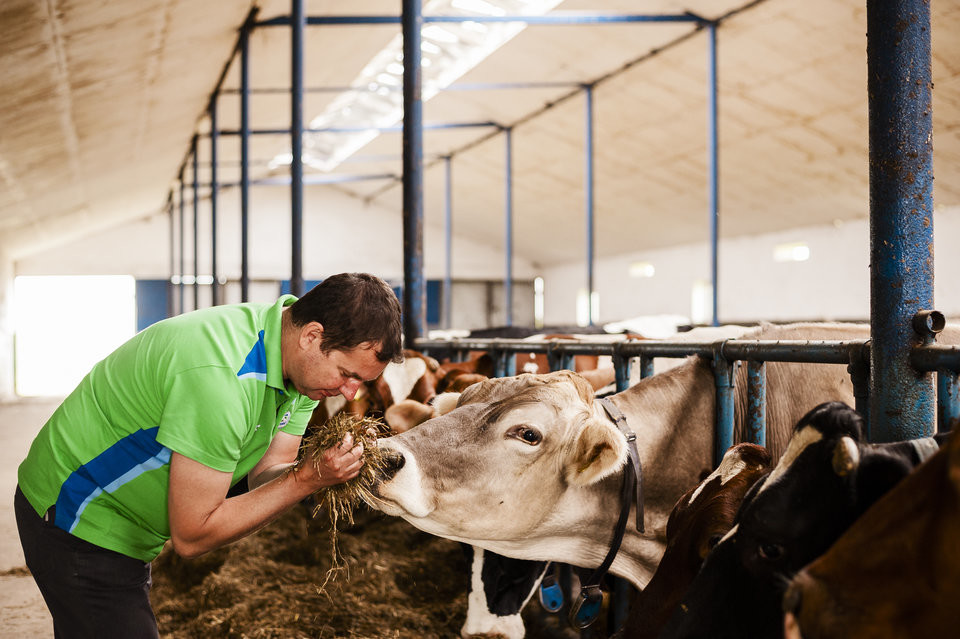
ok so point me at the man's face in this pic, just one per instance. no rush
(325, 374)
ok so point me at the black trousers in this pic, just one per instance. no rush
(91, 592)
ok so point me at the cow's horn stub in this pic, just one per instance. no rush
(846, 456)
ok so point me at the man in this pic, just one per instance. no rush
(146, 448)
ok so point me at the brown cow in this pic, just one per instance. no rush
(895, 572)
(701, 517)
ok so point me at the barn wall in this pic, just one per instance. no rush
(6, 328)
(340, 233)
(833, 284)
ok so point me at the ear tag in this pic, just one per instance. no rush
(551, 594)
(587, 607)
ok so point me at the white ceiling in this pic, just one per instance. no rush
(99, 101)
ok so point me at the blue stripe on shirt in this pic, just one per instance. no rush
(255, 364)
(123, 462)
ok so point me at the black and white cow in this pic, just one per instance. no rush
(825, 480)
(531, 467)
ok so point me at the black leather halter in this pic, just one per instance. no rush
(587, 606)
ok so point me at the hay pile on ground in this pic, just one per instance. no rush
(399, 583)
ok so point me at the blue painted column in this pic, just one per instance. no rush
(588, 191)
(508, 240)
(724, 375)
(196, 223)
(713, 191)
(245, 164)
(757, 401)
(448, 243)
(183, 233)
(170, 304)
(414, 289)
(214, 135)
(901, 213)
(297, 27)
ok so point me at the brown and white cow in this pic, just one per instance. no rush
(531, 467)
(896, 572)
(701, 517)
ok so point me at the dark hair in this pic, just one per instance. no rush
(353, 308)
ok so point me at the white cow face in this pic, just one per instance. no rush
(498, 466)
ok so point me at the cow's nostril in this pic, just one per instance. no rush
(393, 461)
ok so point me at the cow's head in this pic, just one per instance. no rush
(499, 465)
(825, 479)
(700, 518)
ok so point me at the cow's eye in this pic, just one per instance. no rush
(770, 552)
(526, 434)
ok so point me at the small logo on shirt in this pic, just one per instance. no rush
(284, 420)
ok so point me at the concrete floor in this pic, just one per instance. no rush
(22, 611)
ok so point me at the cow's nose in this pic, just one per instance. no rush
(393, 461)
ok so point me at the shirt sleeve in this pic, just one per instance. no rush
(301, 416)
(206, 417)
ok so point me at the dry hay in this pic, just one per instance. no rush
(340, 500)
(402, 584)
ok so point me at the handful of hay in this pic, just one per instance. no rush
(340, 500)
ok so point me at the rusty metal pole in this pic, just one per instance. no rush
(901, 214)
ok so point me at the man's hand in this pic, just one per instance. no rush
(336, 465)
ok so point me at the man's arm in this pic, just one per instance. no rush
(202, 518)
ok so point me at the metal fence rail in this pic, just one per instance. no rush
(725, 356)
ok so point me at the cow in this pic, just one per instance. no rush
(896, 572)
(531, 467)
(826, 479)
(700, 518)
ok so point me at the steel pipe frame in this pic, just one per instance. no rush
(245, 163)
(297, 24)
(416, 120)
(355, 129)
(561, 18)
(899, 83)
(414, 289)
(215, 285)
(196, 224)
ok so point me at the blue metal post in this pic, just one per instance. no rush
(621, 369)
(508, 241)
(588, 190)
(414, 290)
(901, 213)
(297, 26)
(215, 285)
(757, 401)
(170, 311)
(196, 226)
(713, 161)
(448, 243)
(723, 375)
(859, 369)
(948, 400)
(245, 164)
(180, 291)
(646, 366)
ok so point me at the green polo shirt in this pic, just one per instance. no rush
(207, 384)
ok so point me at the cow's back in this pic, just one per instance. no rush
(794, 388)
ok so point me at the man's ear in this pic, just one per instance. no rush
(311, 335)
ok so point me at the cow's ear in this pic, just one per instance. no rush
(445, 402)
(600, 450)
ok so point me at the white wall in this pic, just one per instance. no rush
(833, 284)
(340, 233)
(6, 328)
